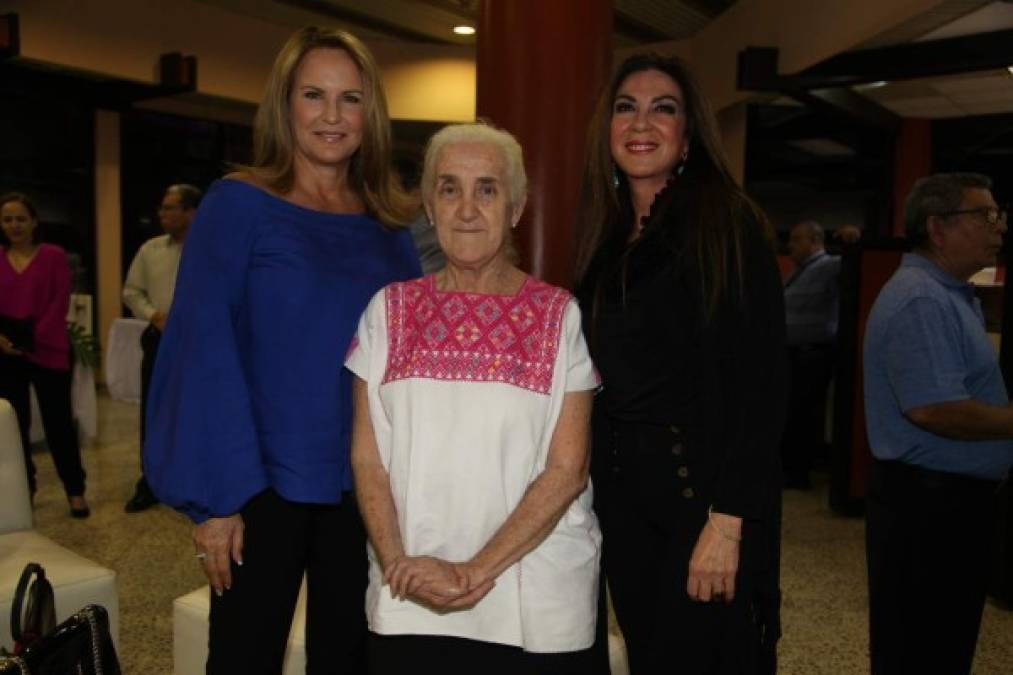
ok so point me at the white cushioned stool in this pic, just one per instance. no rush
(190, 634)
(76, 581)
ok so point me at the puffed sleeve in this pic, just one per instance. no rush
(752, 376)
(581, 374)
(201, 453)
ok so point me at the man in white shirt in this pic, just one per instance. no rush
(148, 291)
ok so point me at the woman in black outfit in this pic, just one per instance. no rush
(684, 315)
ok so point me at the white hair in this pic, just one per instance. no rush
(478, 132)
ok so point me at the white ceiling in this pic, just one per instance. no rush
(979, 93)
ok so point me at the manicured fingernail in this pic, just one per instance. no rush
(239, 562)
(219, 592)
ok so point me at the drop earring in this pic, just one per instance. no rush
(615, 176)
(682, 165)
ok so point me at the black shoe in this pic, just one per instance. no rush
(143, 499)
(81, 511)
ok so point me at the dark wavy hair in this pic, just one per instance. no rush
(713, 206)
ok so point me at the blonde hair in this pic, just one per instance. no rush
(478, 132)
(370, 172)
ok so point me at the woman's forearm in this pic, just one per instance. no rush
(372, 483)
(549, 495)
(372, 489)
(544, 503)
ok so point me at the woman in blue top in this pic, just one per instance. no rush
(250, 409)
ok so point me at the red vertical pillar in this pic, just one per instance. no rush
(541, 65)
(913, 160)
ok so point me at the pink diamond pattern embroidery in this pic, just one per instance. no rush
(488, 311)
(507, 339)
(467, 334)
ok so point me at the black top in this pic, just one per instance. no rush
(664, 361)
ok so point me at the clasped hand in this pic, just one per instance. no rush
(442, 585)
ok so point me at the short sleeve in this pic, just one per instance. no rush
(581, 374)
(364, 342)
(924, 360)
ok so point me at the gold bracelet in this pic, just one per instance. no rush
(725, 535)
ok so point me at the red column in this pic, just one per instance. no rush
(913, 160)
(541, 65)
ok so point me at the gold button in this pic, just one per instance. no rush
(688, 493)
(677, 449)
(683, 472)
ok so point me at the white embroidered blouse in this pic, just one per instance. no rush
(464, 391)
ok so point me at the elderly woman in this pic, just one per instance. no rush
(35, 284)
(685, 320)
(470, 441)
(249, 422)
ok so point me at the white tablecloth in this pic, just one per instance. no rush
(123, 359)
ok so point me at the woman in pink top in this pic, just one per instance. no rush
(34, 348)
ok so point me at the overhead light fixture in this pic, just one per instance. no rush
(464, 30)
(871, 85)
(1010, 69)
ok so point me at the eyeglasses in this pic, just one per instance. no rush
(993, 215)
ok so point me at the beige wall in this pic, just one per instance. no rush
(125, 38)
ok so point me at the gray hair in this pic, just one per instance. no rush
(937, 195)
(189, 196)
(814, 229)
(478, 132)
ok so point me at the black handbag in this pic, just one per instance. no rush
(33, 611)
(80, 645)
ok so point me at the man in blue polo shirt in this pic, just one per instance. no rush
(940, 427)
(810, 309)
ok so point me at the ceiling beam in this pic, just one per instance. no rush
(757, 71)
(932, 58)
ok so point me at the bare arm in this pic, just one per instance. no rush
(968, 420)
(372, 484)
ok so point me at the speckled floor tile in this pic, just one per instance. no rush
(823, 571)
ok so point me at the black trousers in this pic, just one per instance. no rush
(250, 623)
(400, 654)
(811, 368)
(928, 544)
(150, 339)
(52, 388)
(651, 513)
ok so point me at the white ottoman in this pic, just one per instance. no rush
(190, 634)
(76, 581)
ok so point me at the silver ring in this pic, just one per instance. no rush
(201, 555)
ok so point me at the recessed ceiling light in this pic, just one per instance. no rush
(464, 30)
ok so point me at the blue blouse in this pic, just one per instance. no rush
(248, 390)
